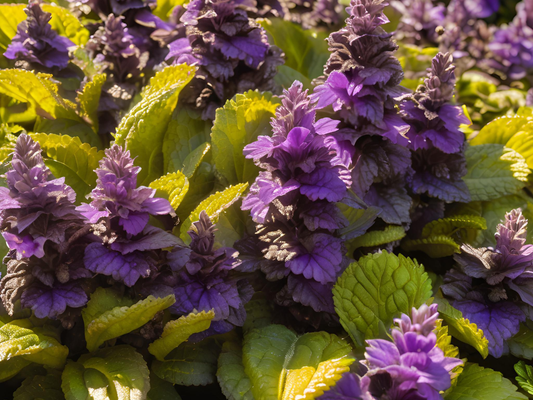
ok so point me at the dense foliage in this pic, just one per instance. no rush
(266, 199)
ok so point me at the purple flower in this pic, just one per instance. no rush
(349, 387)
(419, 20)
(209, 279)
(512, 44)
(120, 211)
(433, 120)
(46, 237)
(412, 366)
(305, 172)
(231, 50)
(499, 271)
(36, 42)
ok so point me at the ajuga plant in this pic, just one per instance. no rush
(230, 49)
(361, 84)
(309, 14)
(411, 366)
(511, 44)
(46, 237)
(209, 279)
(493, 286)
(304, 173)
(434, 135)
(36, 45)
(127, 245)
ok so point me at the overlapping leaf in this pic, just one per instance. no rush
(524, 376)
(172, 186)
(238, 123)
(233, 381)
(376, 289)
(109, 315)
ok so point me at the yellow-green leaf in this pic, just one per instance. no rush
(178, 331)
(66, 24)
(173, 187)
(376, 238)
(89, 99)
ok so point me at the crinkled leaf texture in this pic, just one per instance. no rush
(213, 206)
(524, 376)
(478, 383)
(494, 171)
(39, 387)
(21, 343)
(68, 157)
(442, 237)
(462, 329)
(390, 234)
(191, 364)
(515, 132)
(172, 186)
(113, 373)
(178, 331)
(376, 289)
(109, 315)
(232, 379)
(142, 130)
(238, 123)
(282, 365)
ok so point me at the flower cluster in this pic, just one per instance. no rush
(434, 134)
(512, 44)
(493, 287)
(309, 14)
(128, 244)
(293, 201)
(209, 279)
(45, 234)
(37, 43)
(409, 367)
(230, 49)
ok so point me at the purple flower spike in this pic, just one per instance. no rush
(433, 120)
(412, 366)
(208, 279)
(117, 196)
(36, 42)
(349, 387)
(488, 300)
(231, 50)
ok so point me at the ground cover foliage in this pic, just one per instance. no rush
(266, 199)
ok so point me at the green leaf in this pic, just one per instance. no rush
(258, 312)
(377, 288)
(10, 16)
(514, 132)
(442, 237)
(525, 376)
(444, 342)
(521, 344)
(40, 387)
(143, 129)
(462, 329)
(359, 220)
(10, 368)
(113, 373)
(161, 389)
(66, 24)
(185, 142)
(7, 141)
(191, 364)
(306, 51)
(20, 338)
(238, 123)
(164, 7)
(214, 205)
(478, 383)
(173, 187)
(494, 171)
(376, 238)
(108, 316)
(178, 331)
(89, 99)
(68, 157)
(233, 381)
(36, 89)
(231, 226)
(201, 184)
(282, 365)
